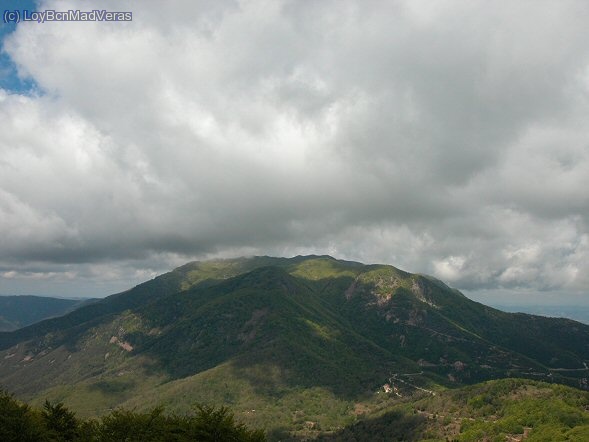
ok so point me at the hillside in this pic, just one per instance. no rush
(20, 311)
(297, 345)
(500, 410)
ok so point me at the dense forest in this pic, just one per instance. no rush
(55, 422)
(506, 409)
(303, 348)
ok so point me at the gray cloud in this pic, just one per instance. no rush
(447, 139)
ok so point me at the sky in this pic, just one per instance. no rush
(448, 138)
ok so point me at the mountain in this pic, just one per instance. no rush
(578, 313)
(299, 346)
(20, 311)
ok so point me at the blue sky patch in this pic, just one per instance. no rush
(9, 78)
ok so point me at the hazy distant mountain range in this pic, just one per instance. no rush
(574, 312)
(20, 311)
(299, 346)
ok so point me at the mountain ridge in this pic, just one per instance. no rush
(276, 332)
(17, 311)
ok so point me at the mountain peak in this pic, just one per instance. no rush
(267, 278)
(278, 331)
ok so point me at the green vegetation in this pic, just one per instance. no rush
(509, 409)
(21, 423)
(300, 347)
(506, 408)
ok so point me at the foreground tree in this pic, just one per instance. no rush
(218, 424)
(18, 422)
(61, 423)
(55, 423)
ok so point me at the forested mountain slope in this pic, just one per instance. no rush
(291, 344)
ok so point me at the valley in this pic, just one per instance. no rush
(20, 311)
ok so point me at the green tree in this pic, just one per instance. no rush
(18, 422)
(210, 424)
(55, 423)
(128, 426)
(61, 423)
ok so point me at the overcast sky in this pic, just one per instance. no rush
(442, 137)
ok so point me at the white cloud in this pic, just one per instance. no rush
(449, 268)
(449, 140)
